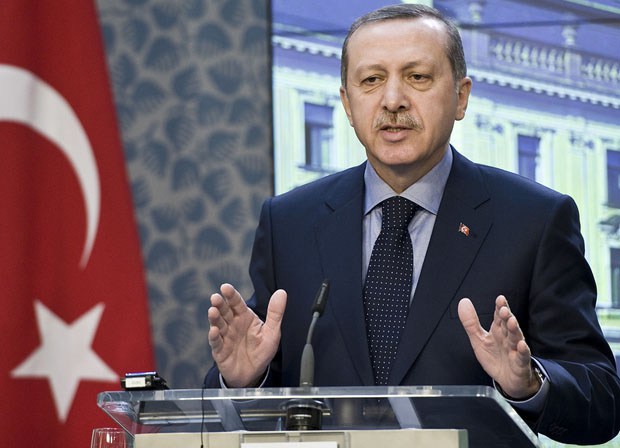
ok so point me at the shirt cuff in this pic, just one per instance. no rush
(535, 403)
(262, 383)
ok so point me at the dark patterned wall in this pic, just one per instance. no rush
(191, 80)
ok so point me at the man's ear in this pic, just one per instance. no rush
(344, 98)
(463, 91)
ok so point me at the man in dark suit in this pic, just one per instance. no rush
(482, 238)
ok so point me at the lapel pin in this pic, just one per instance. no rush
(464, 229)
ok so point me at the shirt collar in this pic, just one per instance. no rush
(426, 192)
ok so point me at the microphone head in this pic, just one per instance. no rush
(321, 298)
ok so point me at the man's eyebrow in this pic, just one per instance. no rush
(407, 66)
(370, 67)
(415, 64)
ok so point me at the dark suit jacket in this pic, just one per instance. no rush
(524, 242)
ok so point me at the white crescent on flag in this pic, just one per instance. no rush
(73, 287)
(27, 99)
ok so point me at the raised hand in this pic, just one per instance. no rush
(502, 351)
(243, 345)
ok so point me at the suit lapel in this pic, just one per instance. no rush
(339, 239)
(448, 258)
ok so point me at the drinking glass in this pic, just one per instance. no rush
(108, 438)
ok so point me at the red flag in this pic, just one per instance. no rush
(74, 310)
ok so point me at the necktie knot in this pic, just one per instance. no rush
(397, 213)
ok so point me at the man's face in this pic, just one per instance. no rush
(401, 97)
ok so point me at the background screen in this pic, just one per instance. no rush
(545, 104)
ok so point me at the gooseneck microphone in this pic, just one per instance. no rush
(306, 375)
(305, 414)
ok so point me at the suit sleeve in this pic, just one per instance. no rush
(583, 405)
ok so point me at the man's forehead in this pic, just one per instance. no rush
(417, 40)
(430, 25)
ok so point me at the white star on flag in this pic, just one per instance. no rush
(65, 356)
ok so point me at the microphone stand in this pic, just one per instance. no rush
(305, 414)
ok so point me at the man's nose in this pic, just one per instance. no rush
(395, 97)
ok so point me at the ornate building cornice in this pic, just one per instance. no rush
(494, 77)
(306, 46)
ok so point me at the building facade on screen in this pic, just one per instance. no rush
(545, 104)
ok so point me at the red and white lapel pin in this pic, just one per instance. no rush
(463, 229)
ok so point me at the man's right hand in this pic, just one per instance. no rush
(243, 345)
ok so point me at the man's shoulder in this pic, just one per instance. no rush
(347, 180)
(498, 181)
(505, 192)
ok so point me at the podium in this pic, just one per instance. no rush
(320, 417)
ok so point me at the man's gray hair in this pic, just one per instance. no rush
(454, 47)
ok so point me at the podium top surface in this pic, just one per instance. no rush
(489, 420)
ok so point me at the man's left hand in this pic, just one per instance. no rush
(502, 351)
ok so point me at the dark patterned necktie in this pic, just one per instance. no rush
(388, 285)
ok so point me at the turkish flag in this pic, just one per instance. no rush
(74, 313)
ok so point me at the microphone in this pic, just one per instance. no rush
(306, 375)
(304, 414)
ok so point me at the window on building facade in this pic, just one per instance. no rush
(615, 277)
(528, 148)
(319, 131)
(613, 178)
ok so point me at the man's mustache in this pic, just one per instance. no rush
(398, 120)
